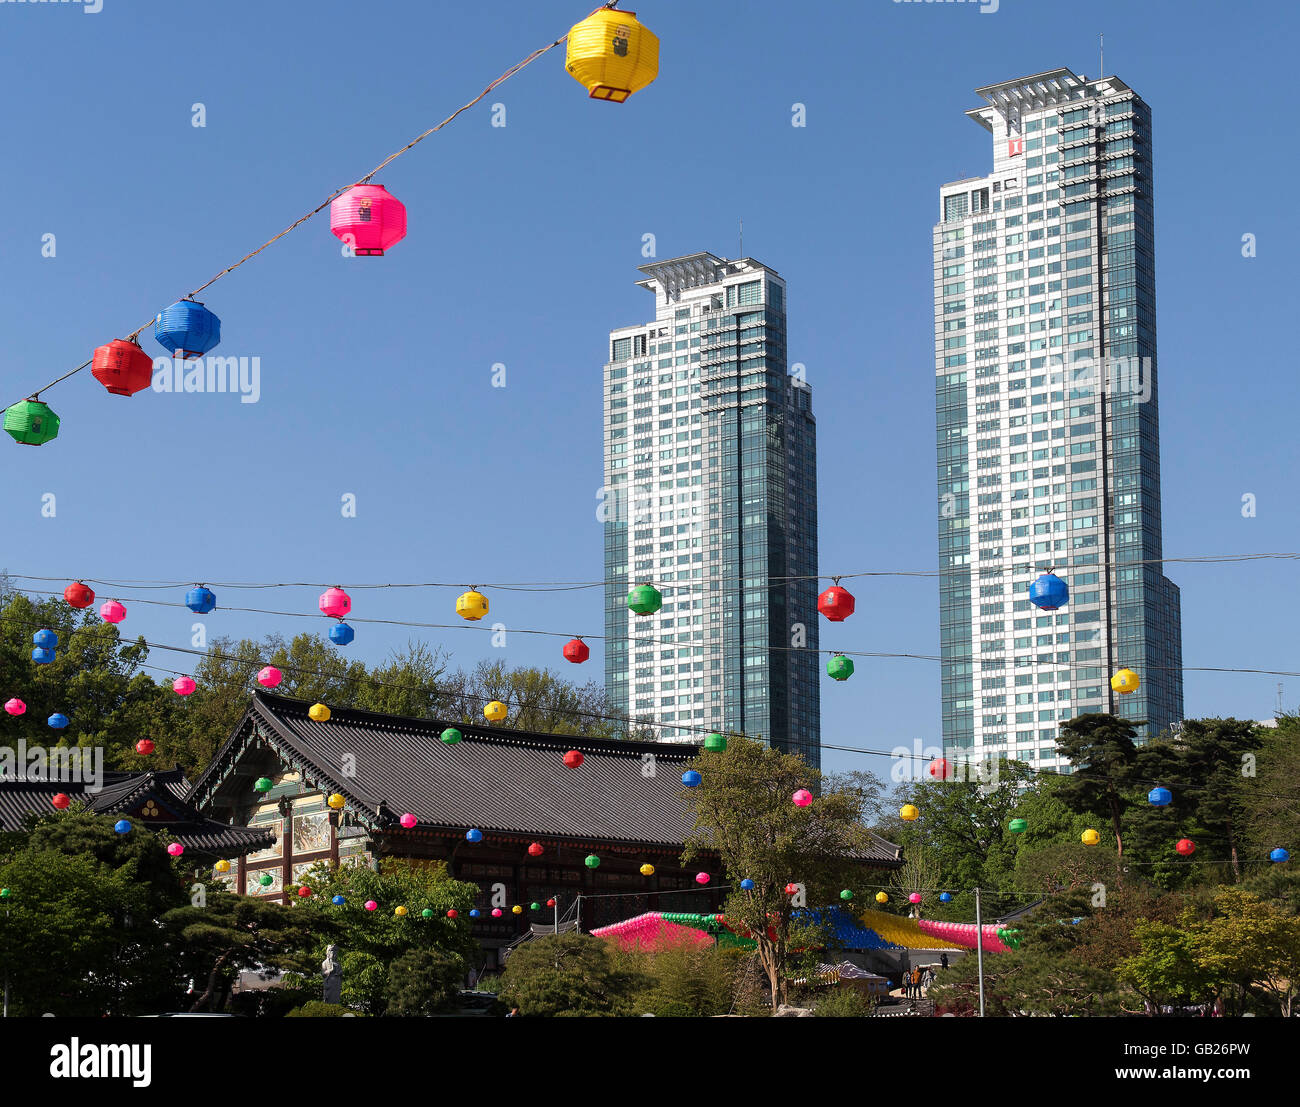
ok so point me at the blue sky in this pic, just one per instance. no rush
(376, 374)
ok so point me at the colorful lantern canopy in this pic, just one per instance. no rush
(408, 820)
(266, 880)
(369, 218)
(839, 667)
(341, 634)
(836, 603)
(495, 711)
(474, 835)
(78, 595)
(1125, 681)
(451, 736)
(1049, 592)
(176, 849)
(881, 897)
(112, 611)
(263, 784)
(701, 878)
(122, 367)
(46, 639)
(535, 849)
(15, 706)
(647, 869)
(338, 901)
(183, 686)
(57, 721)
(909, 812)
(400, 911)
(1186, 847)
(371, 905)
(576, 651)
(42, 657)
(122, 826)
(336, 801)
(945, 897)
(915, 897)
(612, 55)
(573, 759)
(846, 894)
(1018, 826)
(269, 676)
(471, 605)
(318, 713)
(715, 742)
(691, 778)
(802, 798)
(592, 861)
(645, 599)
(31, 422)
(334, 602)
(144, 747)
(747, 884)
(1160, 797)
(942, 769)
(187, 326)
(1278, 855)
(222, 866)
(1090, 837)
(200, 599)
(61, 801)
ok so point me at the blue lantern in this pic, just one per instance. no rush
(338, 901)
(341, 634)
(1279, 855)
(122, 826)
(187, 326)
(747, 884)
(473, 913)
(1049, 592)
(945, 897)
(57, 721)
(200, 600)
(1160, 797)
(46, 639)
(691, 778)
(474, 835)
(42, 657)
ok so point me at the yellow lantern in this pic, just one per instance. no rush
(495, 711)
(336, 801)
(399, 911)
(1090, 837)
(223, 866)
(612, 55)
(318, 713)
(647, 869)
(1125, 681)
(908, 812)
(516, 909)
(472, 605)
(881, 897)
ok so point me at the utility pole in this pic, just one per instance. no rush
(979, 948)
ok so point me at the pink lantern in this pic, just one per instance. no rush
(176, 849)
(371, 905)
(701, 878)
(183, 686)
(335, 603)
(112, 612)
(802, 798)
(15, 706)
(496, 912)
(269, 677)
(408, 820)
(915, 897)
(369, 218)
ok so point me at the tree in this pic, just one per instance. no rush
(1271, 806)
(423, 981)
(567, 974)
(1253, 944)
(1102, 751)
(686, 981)
(1166, 970)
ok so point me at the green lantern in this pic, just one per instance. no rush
(645, 599)
(715, 742)
(4, 893)
(1018, 826)
(451, 736)
(534, 906)
(265, 880)
(592, 861)
(846, 895)
(263, 784)
(427, 913)
(839, 667)
(31, 422)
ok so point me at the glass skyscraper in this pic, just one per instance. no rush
(1048, 422)
(711, 496)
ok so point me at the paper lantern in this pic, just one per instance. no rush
(408, 820)
(716, 743)
(338, 901)
(183, 686)
(334, 602)
(112, 612)
(881, 897)
(15, 706)
(495, 711)
(263, 784)
(451, 736)
(691, 778)
(516, 910)
(647, 869)
(1090, 837)
(200, 599)
(701, 878)
(400, 912)
(222, 866)
(474, 835)
(341, 634)
(802, 798)
(452, 913)
(1160, 797)
(474, 913)
(1186, 847)
(942, 769)
(573, 759)
(534, 906)
(839, 667)
(368, 218)
(1018, 826)
(57, 721)
(122, 826)
(945, 897)
(42, 657)
(144, 747)
(645, 599)
(550, 903)
(471, 605)
(535, 849)
(318, 713)
(188, 327)
(1125, 681)
(847, 894)
(61, 800)
(176, 849)
(747, 884)
(576, 651)
(266, 880)
(836, 603)
(909, 812)
(336, 801)
(915, 897)
(1049, 592)
(1279, 855)
(31, 422)
(592, 861)
(78, 595)
(4, 893)
(46, 639)
(269, 676)
(791, 889)
(496, 912)
(371, 905)
(612, 55)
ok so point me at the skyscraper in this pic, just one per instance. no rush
(711, 496)
(1048, 422)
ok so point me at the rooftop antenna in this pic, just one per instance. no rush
(1101, 55)
(742, 237)
(1278, 710)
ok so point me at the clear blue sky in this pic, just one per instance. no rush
(523, 248)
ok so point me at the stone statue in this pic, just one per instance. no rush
(333, 973)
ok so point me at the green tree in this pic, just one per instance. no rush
(1102, 752)
(423, 982)
(1166, 970)
(568, 974)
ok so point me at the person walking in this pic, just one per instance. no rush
(943, 960)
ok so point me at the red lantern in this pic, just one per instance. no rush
(61, 800)
(535, 850)
(790, 889)
(550, 903)
(576, 650)
(1186, 847)
(122, 367)
(573, 759)
(304, 891)
(144, 747)
(836, 604)
(452, 913)
(78, 595)
(941, 769)
(369, 218)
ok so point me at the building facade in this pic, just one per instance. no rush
(711, 495)
(1048, 422)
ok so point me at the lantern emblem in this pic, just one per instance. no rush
(473, 605)
(1125, 681)
(122, 367)
(576, 651)
(836, 603)
(1049, 592)
(369, 218)
(187, 327)
(612, 55)
(31, 422)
